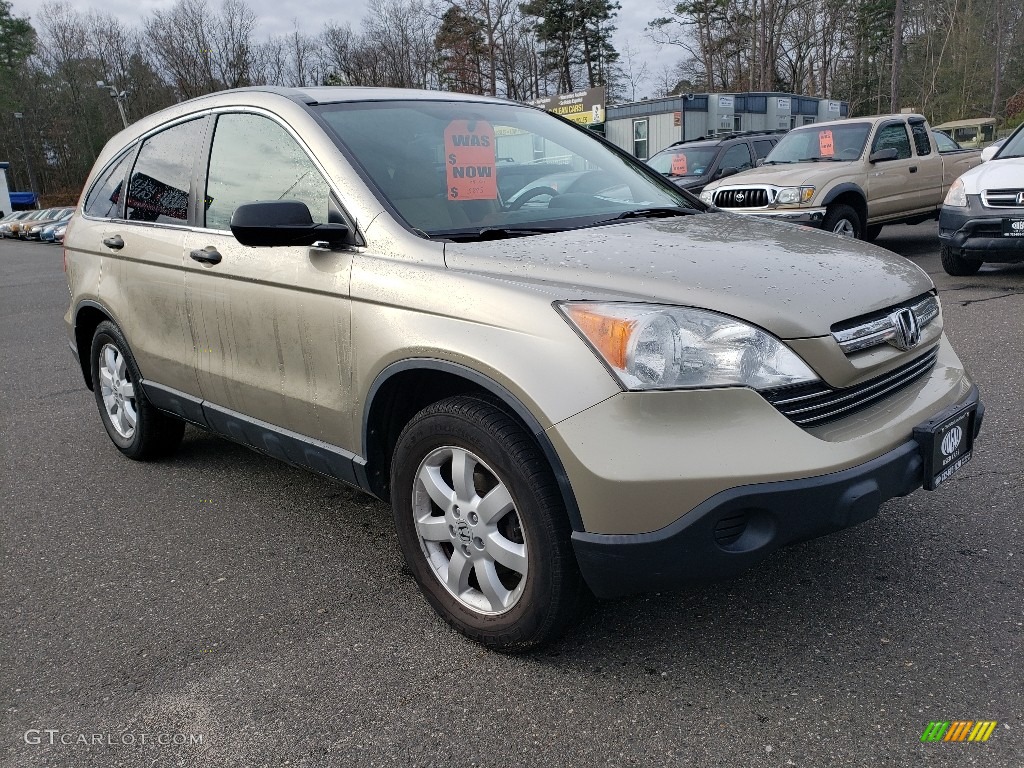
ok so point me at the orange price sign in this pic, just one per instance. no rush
(678, 164)
(825, 146)
(470, 162)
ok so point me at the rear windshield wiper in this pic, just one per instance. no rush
(649, 213)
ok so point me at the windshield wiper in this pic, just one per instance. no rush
(493, 233)
(650, 213)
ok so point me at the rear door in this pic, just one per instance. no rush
(139, 238)
(929, 166)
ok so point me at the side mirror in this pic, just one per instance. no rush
(881, 155)
(989, 152)
(721, 173)
(276, 223)
(759, 162)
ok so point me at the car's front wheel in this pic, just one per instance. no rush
(483, 527)
(957, 265)
(843, 220)
(138, 429)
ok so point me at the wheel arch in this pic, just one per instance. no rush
(852, 195)
(406, 387)
(88, 315)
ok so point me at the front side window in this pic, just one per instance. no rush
(159, 190)
(738, 157)
(762, 148)
(462, 168)
(640, 139)
(253, 158)
(104, 200)
(893, 137)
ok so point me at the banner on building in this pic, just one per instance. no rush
(585, 107)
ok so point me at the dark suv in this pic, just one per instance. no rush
(694, 163)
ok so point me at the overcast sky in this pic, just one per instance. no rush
(277, 16)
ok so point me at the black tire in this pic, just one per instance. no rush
(872, 232)
(553, 594)
(155, 434)
(957, 265)
(842, 219)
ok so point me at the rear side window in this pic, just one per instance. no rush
(921, 143)
(161, 179)
(104, 200)
(893, 137)
(253, 158)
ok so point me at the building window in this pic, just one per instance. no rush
(640, 139)
(736, 122)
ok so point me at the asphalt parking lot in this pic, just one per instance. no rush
(267, 611)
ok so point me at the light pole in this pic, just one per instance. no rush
(118, 97)
(28, 162)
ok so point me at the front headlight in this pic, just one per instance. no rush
(649, 346)
(957, 195)
(790, 195)
(707, 197)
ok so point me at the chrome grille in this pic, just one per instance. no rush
(1003, 198)
(742, 198)
(812, 404)
(880, 328)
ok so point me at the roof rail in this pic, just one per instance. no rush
(731, 135)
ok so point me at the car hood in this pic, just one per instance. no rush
(995, 174)
(792, 281)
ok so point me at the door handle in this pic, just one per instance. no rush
(206, 255)
(913, 169)
(114, 241)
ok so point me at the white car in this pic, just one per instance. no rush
(982, 217)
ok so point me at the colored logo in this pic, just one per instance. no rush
(959, 730)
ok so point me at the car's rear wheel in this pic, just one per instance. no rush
(957, 265)
(843, 220)
(483, 527)
(138, 429)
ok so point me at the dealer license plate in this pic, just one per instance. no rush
(947, 443)
(1013, 227)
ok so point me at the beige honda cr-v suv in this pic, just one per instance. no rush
(566, 375)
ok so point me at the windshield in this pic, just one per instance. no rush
(1013, 146)
(684, 161)
(462, 166)
(814, 144)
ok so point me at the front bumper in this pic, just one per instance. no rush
(975, 232)
(811, 217)
(739, 527)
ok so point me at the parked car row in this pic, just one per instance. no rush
(854, 176)
(46, 225)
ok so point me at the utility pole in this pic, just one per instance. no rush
(118, 97)
(18, 116)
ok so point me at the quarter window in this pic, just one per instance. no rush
(104, 200)
(640, 139)
(921, 142)
(254, 158)
(159, 190)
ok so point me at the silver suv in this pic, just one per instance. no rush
(565, 375)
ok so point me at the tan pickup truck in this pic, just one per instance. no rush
(850, 176)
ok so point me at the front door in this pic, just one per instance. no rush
(273, 324)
